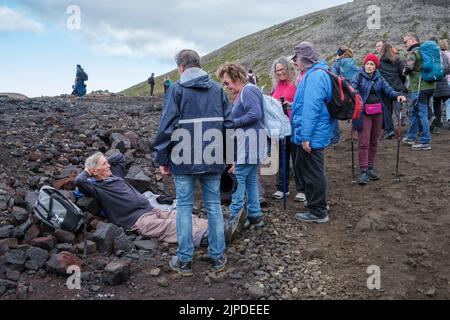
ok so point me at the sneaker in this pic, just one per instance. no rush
(219, 264)
(279, 195)
(421, 146)
(436, 130)
(258, 222)
(363, 178)
(408, 141)
(433, 122)
(300, 197)
(389, 135)
(183, 268)
(236, 225)
(308, 217)
(373, 174)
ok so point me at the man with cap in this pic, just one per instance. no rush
(311, 130)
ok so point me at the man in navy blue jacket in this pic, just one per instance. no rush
(187, 146)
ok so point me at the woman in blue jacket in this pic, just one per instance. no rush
(371, 85)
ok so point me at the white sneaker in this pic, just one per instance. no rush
(279, 194)
(300, 197)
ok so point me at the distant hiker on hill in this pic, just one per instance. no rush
(80, 78)
(151, 82)
(251, 77)
(311, 131)
(283, 81)
(167, 83)
(371, 85)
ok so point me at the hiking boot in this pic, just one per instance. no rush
(310, 218)
(279, 195)
(183, 268)
(219, 264)
(436, 130)
(258, 222)
(405, 140)
(373, 174)
(300, 197)
(421, 146)
(363, 178)
(389, 135)
(236, 225)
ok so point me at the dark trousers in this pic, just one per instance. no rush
(291, 152)
(311, 168)
(151, 90)
(437, 106)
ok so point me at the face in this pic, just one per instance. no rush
(281, 72)
(103, 170)
(379, 46)
(299, 64)
(228, 84)
(370, 67)
(408, 42)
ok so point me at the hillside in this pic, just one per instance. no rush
(329, 28)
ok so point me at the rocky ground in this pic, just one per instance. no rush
(400, 227)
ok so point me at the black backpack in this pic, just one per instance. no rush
(346, 103)
(251, 78)
(55, 210)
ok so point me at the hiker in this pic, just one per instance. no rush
(311, 130)
(283, 81)
(103, 179)
(251, 77)
(167, 83)
(80, 77)
(379, 46)
(151, 83)
(391, 68)
(345, 65)
(247, 113)
(195, 104)
(420, 93)
(371, 85)
(442, 94)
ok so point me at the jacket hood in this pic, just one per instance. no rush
(195, 78)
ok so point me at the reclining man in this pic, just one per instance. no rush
(103, 179)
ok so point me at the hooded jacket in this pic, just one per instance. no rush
(393, 74)
(196, 104)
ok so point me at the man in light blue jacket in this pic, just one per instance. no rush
(311, 130)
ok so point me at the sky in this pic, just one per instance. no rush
(120, 43)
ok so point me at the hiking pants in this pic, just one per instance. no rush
(291, 152)
(368, 140)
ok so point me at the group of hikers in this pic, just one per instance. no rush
(166, 83)
(198, 105)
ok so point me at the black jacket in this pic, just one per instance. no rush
(393, 74)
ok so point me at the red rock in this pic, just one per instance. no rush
(46, 243)
(59, 263)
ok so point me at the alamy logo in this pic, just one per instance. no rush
(374, 281)
(74, 281)
(374, 20)
(74, 20)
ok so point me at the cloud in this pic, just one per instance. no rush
(13, 21)
(154, 28)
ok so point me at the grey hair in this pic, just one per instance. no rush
(412, 35)
(188, 59)
(93, 161)
(288, 66)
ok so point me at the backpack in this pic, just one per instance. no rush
(346, 103)
(55, 210)
(275, 122)
(432, 64)
(251, 78)
(348, 68)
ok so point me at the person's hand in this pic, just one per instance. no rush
(164, 170)
(401, 99)
(288, 104)
(306, 147)
(231, 169)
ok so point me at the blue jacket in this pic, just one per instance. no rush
(363, 83)
(247, 115)
(345, 67)
(194, 104)
(310, 119)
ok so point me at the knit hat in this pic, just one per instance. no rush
(372, 57)
(306, 53)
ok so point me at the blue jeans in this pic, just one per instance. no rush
(336, 135)
(185, 188)
(447, 110)
(246, 177)
(419, 118)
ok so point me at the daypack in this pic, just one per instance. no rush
(432, 64)
(348, 68)
(251, 78)
(84, 76)
(346, 103)
(275, 122)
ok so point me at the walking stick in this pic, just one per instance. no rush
(283, 156)
(353, 154)
(399, 137)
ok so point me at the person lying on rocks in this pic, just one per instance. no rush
(104, 180)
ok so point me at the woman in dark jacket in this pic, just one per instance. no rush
(391, 68)
(371, 85)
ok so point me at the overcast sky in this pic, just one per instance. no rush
(119, 43)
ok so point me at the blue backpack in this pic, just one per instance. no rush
(433, 66)
(348, 68)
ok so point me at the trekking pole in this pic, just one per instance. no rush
(399, 137)
(353, 155)
(283, 156)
